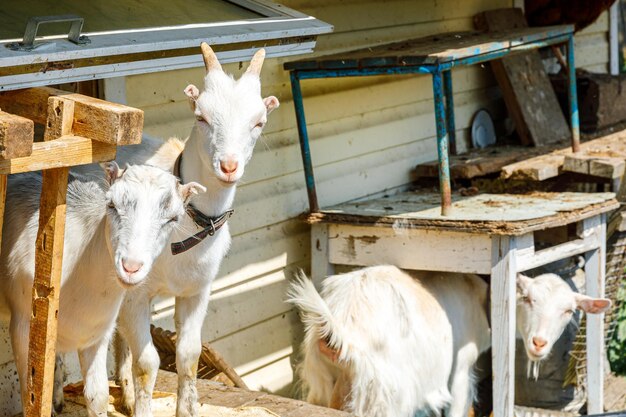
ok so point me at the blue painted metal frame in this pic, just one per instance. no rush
(444, 114)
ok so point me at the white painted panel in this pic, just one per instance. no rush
(409, 248)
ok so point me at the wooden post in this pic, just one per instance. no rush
(595, 266)
(503, 302)
(48, 265)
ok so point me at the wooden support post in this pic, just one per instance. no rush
(320, 261)
(595, 266)
(503, 284)
(48, 266)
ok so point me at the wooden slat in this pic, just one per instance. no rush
(67, 151)
(432, 49)
(526, 88)
(16, 136)
(93, 118)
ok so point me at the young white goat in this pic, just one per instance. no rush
(131, 221)
(230, 115)
(382, 342)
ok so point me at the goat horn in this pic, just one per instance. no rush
(257, 62)
(210, 59)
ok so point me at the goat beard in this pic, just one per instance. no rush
(532, 369)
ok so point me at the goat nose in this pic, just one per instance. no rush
(539, 342)
(228, 166)
(131, 266)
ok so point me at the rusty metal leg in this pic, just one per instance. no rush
(304, 142)
(447, 83)
(442, 145)
(573, 95)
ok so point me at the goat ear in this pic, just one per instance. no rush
(192, 93)
(592, 305)
(271, 103)
(190, 189)
(112, 171)
(522, 284)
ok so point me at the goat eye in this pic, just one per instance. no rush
(201, 119)
(173, 219)
(111, 205)
(259, 125)
(527, 299)
(569, 312)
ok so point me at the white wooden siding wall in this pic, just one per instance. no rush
(367, 134)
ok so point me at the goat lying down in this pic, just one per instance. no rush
(113, 234)
(383, 342)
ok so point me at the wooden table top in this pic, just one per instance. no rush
(434, 49)
(503, 214)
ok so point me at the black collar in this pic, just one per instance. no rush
(208, 224)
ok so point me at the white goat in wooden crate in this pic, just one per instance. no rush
(112, 237)
(382, 342)
(230, 116)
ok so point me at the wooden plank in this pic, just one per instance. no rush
(503, 284)
(93, 118)
(215, 394)
(537, 169)
(434, 49)
(16, 136)
(501, 214)
(67, 151)
(526, 88)
(480, 162)
(409, 248)
(595, 269)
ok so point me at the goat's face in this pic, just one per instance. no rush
(545, 306)
(144, 205)
(230, 116)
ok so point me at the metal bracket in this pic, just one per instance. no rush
(28, 42)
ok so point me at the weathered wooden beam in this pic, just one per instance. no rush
(3, 194)
(605, 167)
(67, 151)
(93, 118)
(16, 135)
(37, 400)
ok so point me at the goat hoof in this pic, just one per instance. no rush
(126, 409)
(57, 406)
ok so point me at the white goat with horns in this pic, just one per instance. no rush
(230, 116)
(110, 232)
(382, 342)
